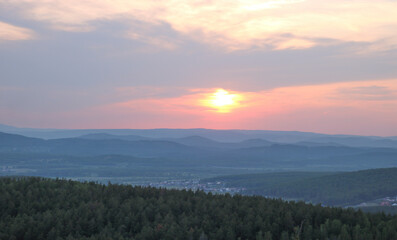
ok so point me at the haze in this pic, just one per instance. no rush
(318, 66)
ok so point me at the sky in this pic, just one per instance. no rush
(301, 65)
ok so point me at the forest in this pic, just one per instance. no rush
(336, 189)
(39, 208)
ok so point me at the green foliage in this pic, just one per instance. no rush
(35, 208)
(327, 188)
(385, 209)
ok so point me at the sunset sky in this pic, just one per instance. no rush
(304, 65)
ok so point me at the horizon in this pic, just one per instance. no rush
(212, 129)
(287, 65)
(268, 119)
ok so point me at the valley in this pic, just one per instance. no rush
(329, 173)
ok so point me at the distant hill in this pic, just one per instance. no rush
(189, 141)
(196, 141)
(326, 188)
(79, 146)
(215, 135)
(7, 139)
(14, 142)
(262, 181)
(320, 144)
(255, 153)
(106, 136)
(357, 141)
(143, 148)
(223, 136)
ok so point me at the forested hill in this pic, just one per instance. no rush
(205, 153)
(34, 208)
(327, 188)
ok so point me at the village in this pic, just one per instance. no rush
(213, 187)
(383, 202)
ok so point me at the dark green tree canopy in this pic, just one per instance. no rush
(36, 208)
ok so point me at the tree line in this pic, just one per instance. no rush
(37, 208)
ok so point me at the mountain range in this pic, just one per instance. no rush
(203, 152)
(225, 136)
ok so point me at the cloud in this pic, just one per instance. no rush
(332, 108)
(10, 32)
(364, 107)
(354, 95)
(375, 93)
(147, 92)
(232, 25)
(161, 42)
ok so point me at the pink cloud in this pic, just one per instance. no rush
(365, 107)
(10, 32)
(232, 25)
(333, 108)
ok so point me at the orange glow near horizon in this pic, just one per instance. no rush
(360, 107)
(222, 101)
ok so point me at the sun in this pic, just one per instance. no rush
(222, 101)
(222, 98)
